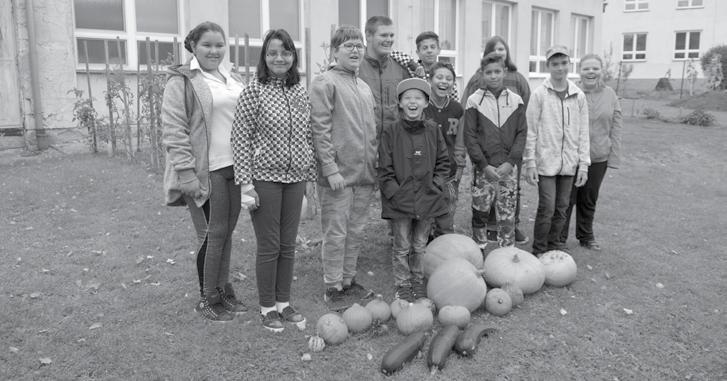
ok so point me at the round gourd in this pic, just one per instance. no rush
(426, 302)
(379, 309)
(332, 328)
(560, 268)
(497, 302)
(397, 305)
(357, 318)
(414, 318)
(316, 343)
(515, 266)
(448, 246)
(457, 283)
(454, 315)
(516, 294)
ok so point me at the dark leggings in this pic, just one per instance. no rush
(276, 227)
(584, 199)
(214, 223)
(492, 215)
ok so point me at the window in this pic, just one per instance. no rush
(634, 47)
(495, 21)
(132, 21)
(686, 45)
(254, 18)
(681, 4)
(542, 32)
(440, 16)
(581, 26)
(356, 12)
(636, 5)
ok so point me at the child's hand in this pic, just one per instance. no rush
(336, 181)
(191, 188)
(581, 178)
(458, 174)
(531, 176)
(250, 199)
(504, 169)
(491, 173)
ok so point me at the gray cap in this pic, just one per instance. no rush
(557, 49)
(413, 83)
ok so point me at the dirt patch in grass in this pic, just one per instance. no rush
(711, 100)
(99, 277)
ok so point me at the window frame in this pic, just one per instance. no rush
(130, 35)
(363, 14)
(633, 51)
(494, 19)
(690, 4)
(687, 49)
(576, 55)
(538, 58)
(450, 54)
(636, 4)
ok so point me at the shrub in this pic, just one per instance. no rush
(708, 68)
(650, 113)
(699, 118)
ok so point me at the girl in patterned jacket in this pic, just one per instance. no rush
(273, 153)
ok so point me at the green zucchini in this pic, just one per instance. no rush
(441, 347)
(402, 353)
(467, 343)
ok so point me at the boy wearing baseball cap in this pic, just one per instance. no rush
(412, 172)
(557, 144)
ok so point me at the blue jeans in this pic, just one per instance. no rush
(410, 242)
(214, 223)
(276, 227)
(553, 200)
(344, 215)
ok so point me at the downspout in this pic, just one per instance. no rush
(31, 127)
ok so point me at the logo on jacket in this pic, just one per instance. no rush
(417, 153)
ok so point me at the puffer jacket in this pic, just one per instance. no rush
(271, 134)
(413, 169)
(557, 141)
(344, 127)
(383, 78)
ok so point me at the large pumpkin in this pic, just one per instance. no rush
(457, 283)
(357, 318)
(560, 268)
(512, 265)
(332, 328)
(414, 318)
(449, 246)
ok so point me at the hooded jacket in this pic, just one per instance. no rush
(382, 78)
(413, 167)
(344, 127)
(557, 141)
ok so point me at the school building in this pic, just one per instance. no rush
(42, 55)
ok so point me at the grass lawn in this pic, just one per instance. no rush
(99, 279)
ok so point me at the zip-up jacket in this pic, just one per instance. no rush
(495, 128)
(344, 127)
(413, 167)
(604, 125)
(271, 134)
(382, 78)
(557, 141)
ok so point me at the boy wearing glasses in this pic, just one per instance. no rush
(344, 135)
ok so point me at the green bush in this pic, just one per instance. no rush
(707, 58)
(699, 118)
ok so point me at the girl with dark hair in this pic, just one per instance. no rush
(516, 83)
(272, 145)
(197, 109)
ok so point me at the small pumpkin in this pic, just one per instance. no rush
(448, 246)
(397, 305)
(516, 294)
(426, 302)
(516, 266)
(316, 343)
(332, 328)
(454, 315)
(560, 268)
(357, 318)
(457, 283)
(379, 309)
(414, 318)
(497, 302)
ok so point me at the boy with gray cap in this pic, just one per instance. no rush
(557, 144)
(412, 172)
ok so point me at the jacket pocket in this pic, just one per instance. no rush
(403, 199)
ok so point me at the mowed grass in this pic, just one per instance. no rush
(98, 277)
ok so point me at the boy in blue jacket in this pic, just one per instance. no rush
(413, 169)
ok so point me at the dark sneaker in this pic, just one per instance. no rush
(333, 295)
(520, 237)
(404, 292)
(213, 312)
(356, 290)
(591, 245)
(271, 322)
(290, 315)
(419, 289)
(492, 236)
(230, 302)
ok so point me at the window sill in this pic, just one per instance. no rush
(635, 10)
(634, 61)
(686, 8)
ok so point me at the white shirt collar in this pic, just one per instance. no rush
(194, 65)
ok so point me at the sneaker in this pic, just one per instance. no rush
(213, 312)
(290, 315)
(230, 302)
(404, 292)
(271, 322)
(355, 289)
(419, 289)
(333, 295)
(520, 237)
(492, 236)
(591, 245)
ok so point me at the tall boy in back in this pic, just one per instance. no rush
(413, 169)
(495, 131)
(557, 145)
(344, 134)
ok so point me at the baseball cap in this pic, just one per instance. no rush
(556, 49)
(413, 83)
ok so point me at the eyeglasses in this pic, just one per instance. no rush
(351, 46)
(285, 54)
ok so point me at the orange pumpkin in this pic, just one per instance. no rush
(357, 318)
(379, 309)
(560, 268)
(454, 315)
(414, 318)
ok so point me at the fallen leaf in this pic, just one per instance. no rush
(607, 275)
(35, 295)
(239, 276)
(123, 285)
(168, 333)
(306, 357)
(370, 273)
(369, 356)
(149, 256)
(13, 349)
(170, 261)
(139, 260)
(85, 269)
(659, 285)
(94, 326)
(563, 311)
(628, 311)
(589, 267)
(136, 281)
(154, 283)
(45, 361)
(45, 270)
